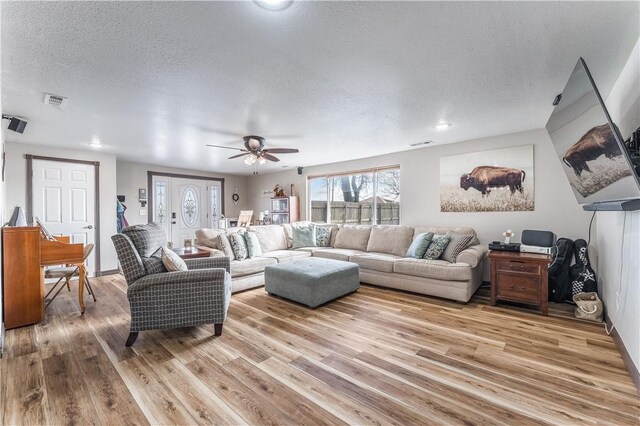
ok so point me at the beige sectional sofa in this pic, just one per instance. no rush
(378, 250)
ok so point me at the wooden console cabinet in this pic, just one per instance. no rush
(520, 277)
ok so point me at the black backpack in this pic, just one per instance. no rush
(559, 278)
(583, 278)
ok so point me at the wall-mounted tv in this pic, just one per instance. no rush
(590, 145)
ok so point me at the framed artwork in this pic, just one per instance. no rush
(488, 181)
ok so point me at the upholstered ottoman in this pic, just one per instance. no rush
(312, 281)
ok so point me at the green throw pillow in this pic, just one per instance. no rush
(238, 245)
(323, 235)
(437, 247)
(420, 244)
(253, 244)
(303, 235)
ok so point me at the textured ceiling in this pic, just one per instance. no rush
(155, 82)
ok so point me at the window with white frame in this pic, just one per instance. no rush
(364, 197)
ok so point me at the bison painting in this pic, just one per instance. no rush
(483, 178)
(596, 142)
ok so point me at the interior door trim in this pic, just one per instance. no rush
(151, 174)
(29, 207)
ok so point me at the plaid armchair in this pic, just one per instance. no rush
(161, 299)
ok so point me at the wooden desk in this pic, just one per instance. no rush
(25, 254)
(520, 277)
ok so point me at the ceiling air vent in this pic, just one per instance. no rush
(55, 100)
(421, 143)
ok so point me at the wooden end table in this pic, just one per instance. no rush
(520, 277)
(191, 253)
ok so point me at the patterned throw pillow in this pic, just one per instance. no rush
(225, 245)
(238, 245)
(253, 244)
(420, 244)
(437, 246)
(303, 235)
(172, 261)
(323, 235)
(455, 246)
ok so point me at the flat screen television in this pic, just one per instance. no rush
(590, 146)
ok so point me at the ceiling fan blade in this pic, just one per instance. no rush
(226, 147)
(238, 155)
(282, 150)
(269, 157)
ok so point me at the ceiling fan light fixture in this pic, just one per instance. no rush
(261, 161)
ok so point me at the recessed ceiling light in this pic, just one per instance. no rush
(274, 5)
(442, 126)
(95, 143)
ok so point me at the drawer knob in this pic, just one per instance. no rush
(518, 267)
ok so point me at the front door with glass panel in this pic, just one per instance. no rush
(183, 205)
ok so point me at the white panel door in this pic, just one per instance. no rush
(64, 200)
(189, 202)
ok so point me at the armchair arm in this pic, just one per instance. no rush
(208, 263)
(472, 255)
(183, 281)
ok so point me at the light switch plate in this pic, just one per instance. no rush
(143, 212)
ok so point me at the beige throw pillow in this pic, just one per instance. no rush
(172, 261)
(225, 246)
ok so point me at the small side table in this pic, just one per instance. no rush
(191, 253)
(520, 277)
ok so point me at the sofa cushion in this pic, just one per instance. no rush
(420, 244)
(337, 254)
(455, 246)
(239, 246)
(172, 261)
(225, 246)
(208, 237)
(304, 235)
(382, 262)
(271, 237)
(250, 266)
(437, 247)
(436, 269)
(391, 239)
(354, 237)
(323, 234)
(444, 231)
(253, 244)
(283, 256)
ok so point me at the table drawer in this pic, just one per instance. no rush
(519, 288)
(519, 267)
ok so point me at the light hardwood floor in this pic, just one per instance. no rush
(374, 357)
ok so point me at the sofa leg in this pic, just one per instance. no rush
(218, 329)
(132, 338)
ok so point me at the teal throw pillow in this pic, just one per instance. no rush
(238, 245)
(253, 245)
(420, 244)
(437, 247)
(303, 235)
(323, 235)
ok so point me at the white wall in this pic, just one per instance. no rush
(16, 188)
(133, 176)
(555, 206)
(618, 234)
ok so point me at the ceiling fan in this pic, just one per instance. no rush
(254, 151)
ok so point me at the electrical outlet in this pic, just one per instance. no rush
(143, 212)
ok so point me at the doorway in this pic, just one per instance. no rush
(181, 204)
(63, 194)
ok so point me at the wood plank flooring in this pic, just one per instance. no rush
(375, 357)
